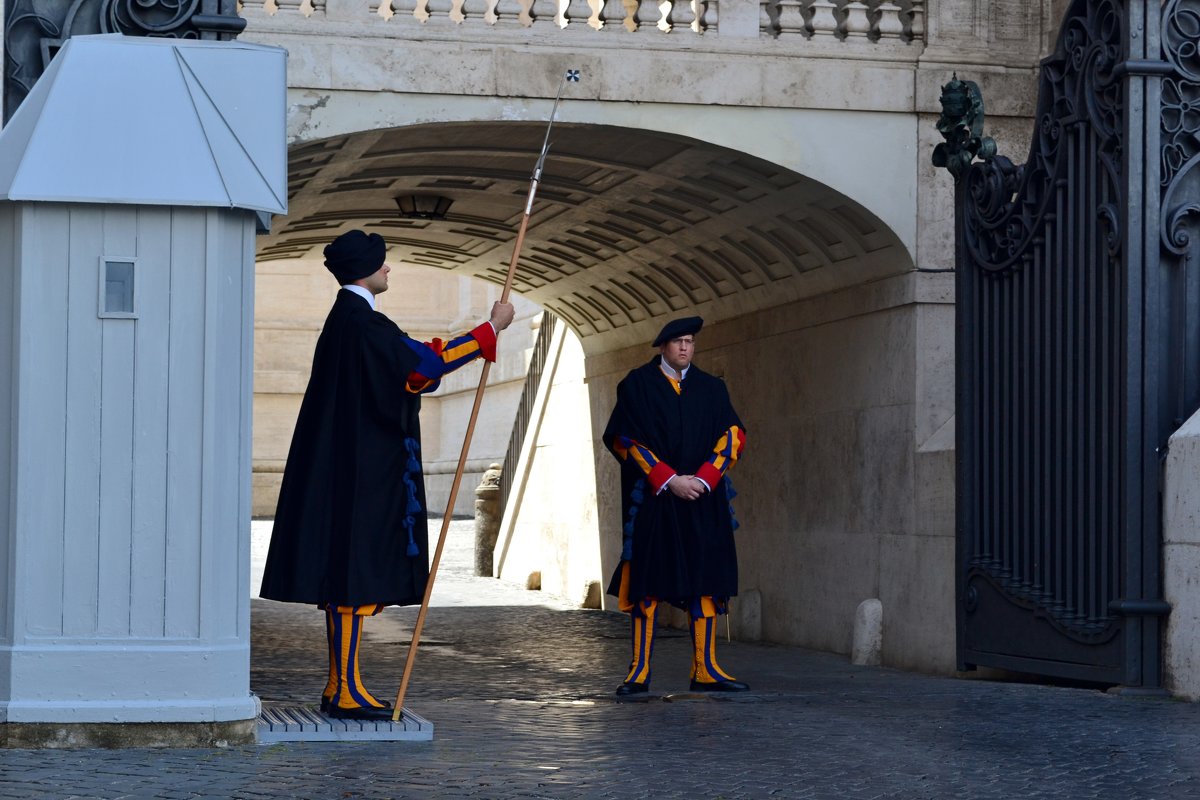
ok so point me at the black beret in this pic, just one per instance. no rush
(355, 255)
(678, 327)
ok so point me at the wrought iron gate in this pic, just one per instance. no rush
(34, 30)
(1078, 345)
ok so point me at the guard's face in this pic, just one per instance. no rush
(678, 352)
(377, 282)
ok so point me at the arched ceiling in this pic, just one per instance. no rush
(630, 227)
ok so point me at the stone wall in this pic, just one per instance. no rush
(1181, 560)
(550, 527)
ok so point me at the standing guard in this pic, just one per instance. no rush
(675, 433)
(350, 528)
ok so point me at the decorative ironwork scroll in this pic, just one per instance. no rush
(1078, 295)
(1179, 180)
(1180, 121)
(34, 30)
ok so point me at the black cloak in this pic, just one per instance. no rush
(350, 527)
(677, 549)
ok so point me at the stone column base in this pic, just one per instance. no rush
(37, 735)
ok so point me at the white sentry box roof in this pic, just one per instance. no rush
(122, 119)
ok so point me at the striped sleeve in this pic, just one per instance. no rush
(724, 456)
(657, 472)
(439, 358)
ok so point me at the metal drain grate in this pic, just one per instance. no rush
(278, 722)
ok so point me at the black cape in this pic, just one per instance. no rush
(677, 549)
(352, 494)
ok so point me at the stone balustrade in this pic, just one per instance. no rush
(846, 21)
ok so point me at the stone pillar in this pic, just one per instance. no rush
(1181, 560)
(487, 520)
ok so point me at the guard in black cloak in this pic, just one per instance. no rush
(676, 435)
(350, 529)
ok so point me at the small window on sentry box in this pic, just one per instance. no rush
(118, 289)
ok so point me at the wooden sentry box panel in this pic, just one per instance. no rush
(130, 451)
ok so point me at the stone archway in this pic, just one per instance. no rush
(838, 351)
(629, 226)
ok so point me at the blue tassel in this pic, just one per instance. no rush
(731, 493)
(636, 495)
(414, 505)
(412, 550)
(413, 465)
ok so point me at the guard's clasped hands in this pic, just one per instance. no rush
(686, 487)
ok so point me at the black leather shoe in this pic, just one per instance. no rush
(368, 713)
(631, 688)
(325, 704)
(720, 686)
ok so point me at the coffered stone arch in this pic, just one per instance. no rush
(630, 226)
(837, 349)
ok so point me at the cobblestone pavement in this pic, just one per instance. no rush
(519, 688)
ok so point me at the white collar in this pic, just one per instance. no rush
(670, 372)
(365, 294)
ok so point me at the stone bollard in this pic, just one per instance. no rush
(868, 634)
(487, 520)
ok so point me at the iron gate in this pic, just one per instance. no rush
(1078, 345)
(34, 30)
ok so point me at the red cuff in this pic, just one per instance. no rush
(417, 382)
(659, 476)
(485, 334)
(709, 474)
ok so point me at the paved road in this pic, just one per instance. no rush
(519, 688)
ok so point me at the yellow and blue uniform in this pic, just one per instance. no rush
(704, 609)
(724, 456)
(437, 358)
(350, 533)
(344, 624)
(675, 550)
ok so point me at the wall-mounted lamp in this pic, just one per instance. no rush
(423, 206)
